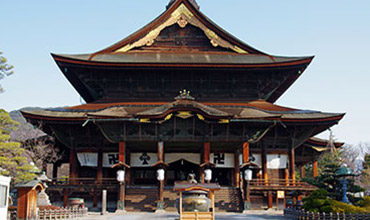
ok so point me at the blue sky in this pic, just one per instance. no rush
(336, 32)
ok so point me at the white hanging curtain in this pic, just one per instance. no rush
(143, 159)
(223, 160)
(109, 159)
(254, 158)
(88, 159)
(277, 161)
(191, 157)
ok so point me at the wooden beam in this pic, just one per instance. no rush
(315, 171)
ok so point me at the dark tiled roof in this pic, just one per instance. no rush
(252, 110)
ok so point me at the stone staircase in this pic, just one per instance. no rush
(141, 199)
(144, 199)
(228, 199)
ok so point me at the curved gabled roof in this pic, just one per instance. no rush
(181, 13)
(202, 44)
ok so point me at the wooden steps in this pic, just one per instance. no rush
(143, 199)
(228, 200)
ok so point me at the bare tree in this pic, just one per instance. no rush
(39, 147)
(354, 156)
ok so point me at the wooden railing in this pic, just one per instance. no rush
(277, 182)
(82, 181)
(303, 215)
(62, 213)
(280, 183)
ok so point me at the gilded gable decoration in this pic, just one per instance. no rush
(182, 16)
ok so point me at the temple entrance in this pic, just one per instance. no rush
(179, 171)
(222, 176)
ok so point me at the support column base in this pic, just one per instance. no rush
(247, 207)
(160, 207)
(120, 207)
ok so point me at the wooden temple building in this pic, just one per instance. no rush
(223, 119)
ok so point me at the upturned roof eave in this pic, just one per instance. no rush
(54, 115)
(81, 59)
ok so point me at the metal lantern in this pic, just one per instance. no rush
(208, 175)
(121, 176)
(160, 174)
(248, 174)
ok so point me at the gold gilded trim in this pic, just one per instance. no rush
(182, 16)
(168, 117)
(184, 114)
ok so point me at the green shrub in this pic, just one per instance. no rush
(340, 207)
(365, 202)
(318, 201)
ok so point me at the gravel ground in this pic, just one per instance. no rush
(252, 215)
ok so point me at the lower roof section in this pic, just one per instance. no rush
(251, 60)
(223, 112)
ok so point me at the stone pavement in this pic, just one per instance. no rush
(251, 215)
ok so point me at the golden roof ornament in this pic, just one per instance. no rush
(184, 95)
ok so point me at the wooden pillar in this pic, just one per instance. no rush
(206, 157)
(121, 152)
(128, 171)
(245, 152)
(161, 151)
(55, 170)
(315, 171)
(99, 172)
(277, 201)
(65, 198)
(160, 204)
(73, 167)
(121, 158)
(264, 166)
(95, 200)
(303, 171)
(286, 177)
(236, 169)
(270, 200)
(292, 164)
(247, 202)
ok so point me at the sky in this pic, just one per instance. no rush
(337, 32)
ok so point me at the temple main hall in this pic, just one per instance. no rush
(183, 96)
